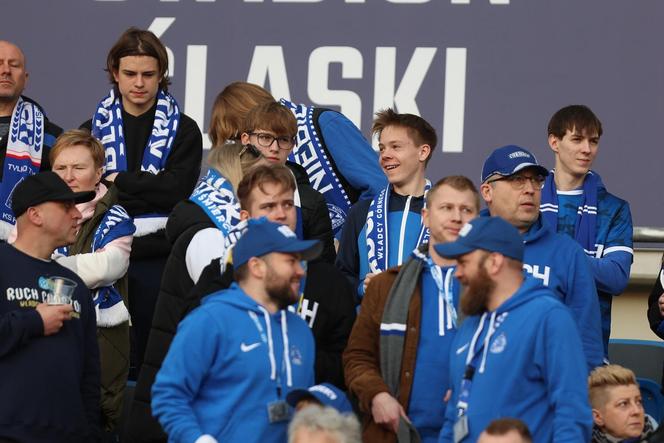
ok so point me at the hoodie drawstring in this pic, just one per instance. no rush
(284, 334)
(270, 342)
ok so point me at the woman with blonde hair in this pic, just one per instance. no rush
(617, 409)
(100, 256)
(200, 229)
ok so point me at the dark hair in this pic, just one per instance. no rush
(230, 110)
(418, 129)
(271, 116)
(572, 117)
(258, 176)
(504, 425)
(458, 182)
(136, 41)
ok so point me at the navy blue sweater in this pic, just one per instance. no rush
(49, 385)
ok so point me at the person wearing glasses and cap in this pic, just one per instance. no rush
(512, 181)
(517, 353)
(271, 128)
(49, 357)
(235, 358)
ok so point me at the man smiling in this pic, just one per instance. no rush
(381, 233)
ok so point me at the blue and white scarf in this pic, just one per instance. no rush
(109, 307)
(107, 127)
(447, 315)
(214, 195)
(310, 154)
(24, 153)
(377, 230)
(586, 221)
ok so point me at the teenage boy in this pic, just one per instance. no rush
(381, 233)
(575, 202)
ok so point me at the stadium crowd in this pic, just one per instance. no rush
(304, 288)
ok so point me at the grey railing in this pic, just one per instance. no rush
(648, 234)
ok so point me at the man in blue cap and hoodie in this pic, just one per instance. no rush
(518, 353)
(512, 183)
(234, 358)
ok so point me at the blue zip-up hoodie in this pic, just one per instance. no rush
(530, 366)
(226, 364)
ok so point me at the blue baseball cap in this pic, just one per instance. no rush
(264, 237)
(509, 160)
(491, 234)
(325, 393)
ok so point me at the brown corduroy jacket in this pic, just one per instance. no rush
(362, 355)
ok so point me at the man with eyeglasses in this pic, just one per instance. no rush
(271, 128)
(512, 183)
(575, 202)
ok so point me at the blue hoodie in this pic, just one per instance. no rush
(560, 263)
(530, 366)
(219, 375)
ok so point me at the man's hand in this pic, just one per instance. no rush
(367, 279)
(386, 411)
(54, 316)
(660, 302)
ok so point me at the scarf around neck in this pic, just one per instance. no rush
(215, 196)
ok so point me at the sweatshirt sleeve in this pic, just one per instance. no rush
(581, 298)
(611, 271)
(181, 375)
(348, 255)
(353, 155)
(561, 358)
(91, 380)
(143, 192)
(654, 316)
(102, 267)
(17, 328)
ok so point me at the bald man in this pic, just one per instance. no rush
(26, 135)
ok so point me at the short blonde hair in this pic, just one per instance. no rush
(79, 137)
(605, 377)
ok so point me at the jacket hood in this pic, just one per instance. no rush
(185, 215)
(530, 289)
(236, 297)
(536, 231)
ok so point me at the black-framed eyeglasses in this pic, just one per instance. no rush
(251, 150)
(265, 140)
(518, 181)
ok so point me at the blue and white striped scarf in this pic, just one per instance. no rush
(24, 152)
(321, 174)
(107, 127)
(377, 230)
(214, 195)
(109, 307)
(586, 221)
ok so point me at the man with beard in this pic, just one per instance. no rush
(234, 359)
(397, 355)
(518, 354)
(512, 183)
(26, 135)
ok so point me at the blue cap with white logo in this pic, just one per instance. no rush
(509, 160)
(264, 237)
(491, 234)
(325, 393)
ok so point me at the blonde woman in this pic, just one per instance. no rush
(200, 230)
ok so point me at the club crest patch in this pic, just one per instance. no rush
(499, 343)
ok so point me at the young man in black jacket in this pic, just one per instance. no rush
(153, 156)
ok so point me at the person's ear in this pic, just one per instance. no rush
(553, 143)
(244, 138)
(244, 214)
(425, 217)
(425, 151)
(486, 191)
(597, 417)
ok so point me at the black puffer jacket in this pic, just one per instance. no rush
(172, 304)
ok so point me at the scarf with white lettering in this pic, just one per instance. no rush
(377, 230)
(214, 195)
(107, 127)
(586, 221)
(311, 154)
(24, 152)
(109, 307)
